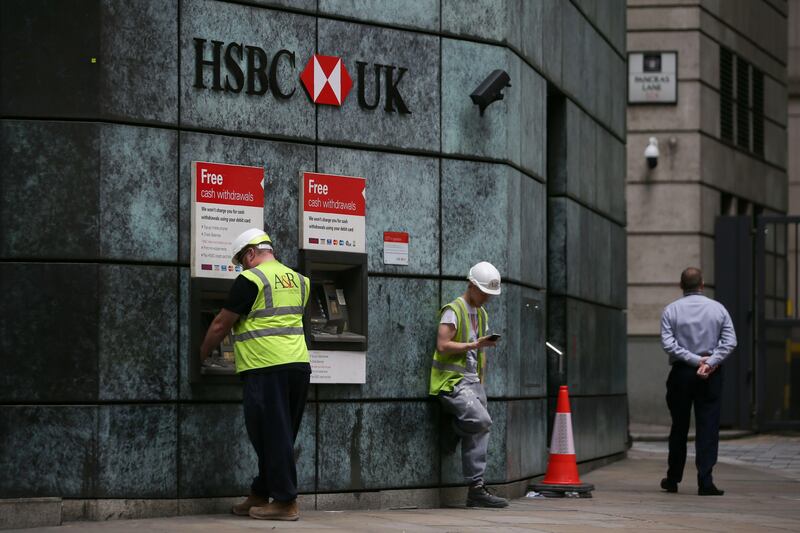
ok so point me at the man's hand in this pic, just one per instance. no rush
(220, 327)
(705, 370)
(484, 342)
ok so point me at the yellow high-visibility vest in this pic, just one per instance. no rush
(448, 369)
(272, 333)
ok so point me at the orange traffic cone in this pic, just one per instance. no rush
(562, 469)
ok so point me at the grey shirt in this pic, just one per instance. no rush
(695, 326)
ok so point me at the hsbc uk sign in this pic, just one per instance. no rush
(236, 67)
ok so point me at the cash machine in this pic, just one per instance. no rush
(336, 315)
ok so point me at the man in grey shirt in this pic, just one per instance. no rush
(697, 334)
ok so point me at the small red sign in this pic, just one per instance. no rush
(395, 236)
(328, 193)
(218, 183)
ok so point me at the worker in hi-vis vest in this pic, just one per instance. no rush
(265, 310)
(457, 378)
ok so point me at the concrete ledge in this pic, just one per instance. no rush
(107, 509)
(116, 509)
(21, 513)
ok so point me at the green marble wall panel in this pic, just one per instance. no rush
(516, 23)
(419, 87)
(595, 340)
(589, 93)
(599, 425)
(49, 341)
(138, 332)
(498, 134)
(490, 20)
(138, 215)
(609, 18)
(28, 82)
(517, 447)
(138, 60)
(56, 178)
(270, 30)
(216, 457)
(137, 450)
(516, 365)
(47, 451)
(282, 164)
(581, 175)
(402, 337)
(586, 254)
(89, 61)
(109, 191)
(573, 35)
(618, 251)
(419, 14)
(402, 195)
(300, 5)
(617, 169)
(619, 96)
(605, 178)
(492, 213)
(551, 39)
(359, 446)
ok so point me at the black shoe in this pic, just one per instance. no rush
(710, 490)
(479, 496)
(668, 485)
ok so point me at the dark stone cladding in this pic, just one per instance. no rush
(96, 353)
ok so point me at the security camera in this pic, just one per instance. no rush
(490, 89)
(651, 153)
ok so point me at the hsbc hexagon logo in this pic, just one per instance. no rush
(326, 79)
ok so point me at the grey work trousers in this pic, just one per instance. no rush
(467, 403)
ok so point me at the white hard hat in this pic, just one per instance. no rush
(248, 237)
(486, 277)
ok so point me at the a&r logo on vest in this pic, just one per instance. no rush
(326, 79)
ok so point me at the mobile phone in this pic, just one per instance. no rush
(494, 337)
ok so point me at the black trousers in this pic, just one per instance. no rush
(273, 409)
(684, 389)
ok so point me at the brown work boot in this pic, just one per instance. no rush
(276, 511)
(243, 509)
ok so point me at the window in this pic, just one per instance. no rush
(726, 94)
(741, 103)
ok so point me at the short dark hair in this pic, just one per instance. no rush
(691, 279)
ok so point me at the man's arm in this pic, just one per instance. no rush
(726, 344)
(220, 327)
(446, 344)
(671, 345)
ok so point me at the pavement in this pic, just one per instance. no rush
(774, 452)
(758, 497)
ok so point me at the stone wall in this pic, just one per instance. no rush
(100, 123)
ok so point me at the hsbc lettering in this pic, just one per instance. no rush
(237, 67)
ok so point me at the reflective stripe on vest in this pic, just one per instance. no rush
(266, 333)
(272, 332)
(451, 368)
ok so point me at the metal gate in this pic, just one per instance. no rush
(777, 331)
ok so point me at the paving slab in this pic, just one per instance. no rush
(627, 498)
